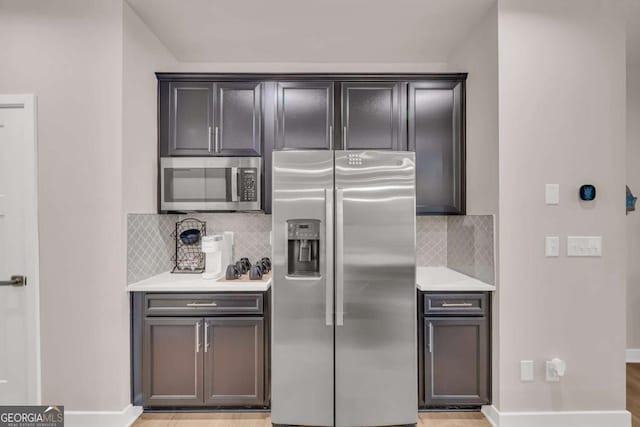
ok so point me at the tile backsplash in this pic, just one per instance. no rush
(151, 244)
(470, 246)
(250, 231)
(431, 240)
(463, 243)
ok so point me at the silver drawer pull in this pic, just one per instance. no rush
(204, 304)
(458, 304)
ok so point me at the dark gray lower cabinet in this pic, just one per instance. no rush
(200, 350)
(234, 362)
(456, 362)
(455, 353)
(172, 364)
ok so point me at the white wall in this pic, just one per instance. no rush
(144, 54)
(69, 53)
(561, 120)
(478, 56)
(633, 219)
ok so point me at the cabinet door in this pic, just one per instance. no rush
(373, 116)
(456, 358)
(304, 115)
(237, 128)
(190, 119)
(172, 361)
(234, 361)
(436, 134)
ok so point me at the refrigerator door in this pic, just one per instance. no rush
(375, 333)
(302, 329)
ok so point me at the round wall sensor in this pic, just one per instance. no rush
(587, 192)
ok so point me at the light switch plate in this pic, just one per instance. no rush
(552, 246)
(552, 194)
(589, 246)
(3, 207)
(526, 370)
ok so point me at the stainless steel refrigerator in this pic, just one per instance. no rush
(344, 295)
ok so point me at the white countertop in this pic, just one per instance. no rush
(447, 280)
(427, 279)
(185, 282)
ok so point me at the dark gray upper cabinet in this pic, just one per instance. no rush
(436, 134)
(234, 362)
(238, 123)
(373, 116)
(172, 362)
(304, 115)
(456, 361)
(211, 118)
(190, 118)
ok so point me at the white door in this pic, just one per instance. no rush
(19, 308)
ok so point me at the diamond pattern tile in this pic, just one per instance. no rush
(470, 246)
(431, 240)
(250, 232)
(151, 245)
(464, 243)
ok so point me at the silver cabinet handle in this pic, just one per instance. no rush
(202, 304)
(457, 304)
(328, 197)
(430, 337)
(339, 257)
(217, 141)
(198, 336)
(330, 137)
(206, 336)
(15, 281)
(344, 137)
(209, 149)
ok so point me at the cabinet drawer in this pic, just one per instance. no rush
(202, 304)
(455, 304)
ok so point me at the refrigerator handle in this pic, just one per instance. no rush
(339, 257)
(328, 199)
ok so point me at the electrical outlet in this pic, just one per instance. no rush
(526, 370)
(550, 373)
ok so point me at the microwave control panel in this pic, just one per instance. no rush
(248, 185)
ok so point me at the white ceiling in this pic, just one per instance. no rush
(343, 31)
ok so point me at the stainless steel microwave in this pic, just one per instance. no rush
(210, 183)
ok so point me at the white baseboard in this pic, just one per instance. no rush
(123, 418)
(633, 355)
(557, 419)
(491, 414)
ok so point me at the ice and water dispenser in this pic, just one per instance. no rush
(303, 247)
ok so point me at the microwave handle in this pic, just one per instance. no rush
(234, 184)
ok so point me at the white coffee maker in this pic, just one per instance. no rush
(218, 249)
